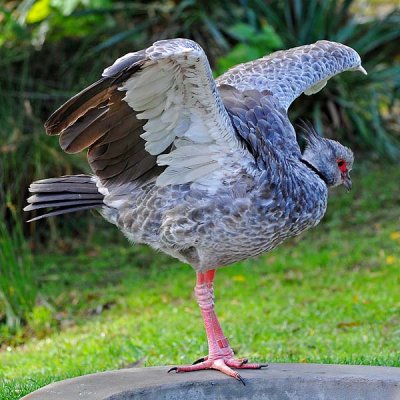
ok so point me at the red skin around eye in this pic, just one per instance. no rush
(342, 166)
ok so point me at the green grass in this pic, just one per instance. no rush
(330, 296)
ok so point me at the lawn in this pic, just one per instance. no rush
(329, 296)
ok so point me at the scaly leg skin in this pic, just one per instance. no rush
(220, 355)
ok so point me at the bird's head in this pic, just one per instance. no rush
(328, 158)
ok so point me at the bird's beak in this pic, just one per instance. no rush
(346, 181)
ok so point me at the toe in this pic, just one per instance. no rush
(221, 366)
(235, 363)
(252, 366)
(194, 367)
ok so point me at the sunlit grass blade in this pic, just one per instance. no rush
(18, 288)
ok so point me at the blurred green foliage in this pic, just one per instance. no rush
(41, 321)
(252, 44)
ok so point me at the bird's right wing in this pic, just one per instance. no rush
(156, 111)
(286, 74)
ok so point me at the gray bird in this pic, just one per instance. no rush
(207, 171)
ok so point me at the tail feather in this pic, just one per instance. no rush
(64, 211)
(63, 186)
(64, 195)
(56, 204)
(39, 198)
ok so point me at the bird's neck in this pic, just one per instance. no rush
(314, 169)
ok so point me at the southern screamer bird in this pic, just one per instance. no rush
(207, 171)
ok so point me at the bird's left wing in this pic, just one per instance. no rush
(286, 74)
(258, 94)
(159, 105)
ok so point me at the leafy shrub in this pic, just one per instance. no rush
(252, 44)
(41, 321)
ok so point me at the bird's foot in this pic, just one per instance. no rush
(210, 363)
(221, 363)
(238, 363)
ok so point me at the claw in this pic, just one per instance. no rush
(239, 378)
(172, 369)
(200, 360)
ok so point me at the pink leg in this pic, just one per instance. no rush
(222, 340)
(220, 355)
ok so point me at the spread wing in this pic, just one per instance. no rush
(286, 74)
(258, 94)
(158, 106)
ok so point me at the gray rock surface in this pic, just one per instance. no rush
(277, 382)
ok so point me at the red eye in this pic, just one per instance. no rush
(342, 165)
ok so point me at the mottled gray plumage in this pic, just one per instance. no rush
(207, 171)
(289, 73)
